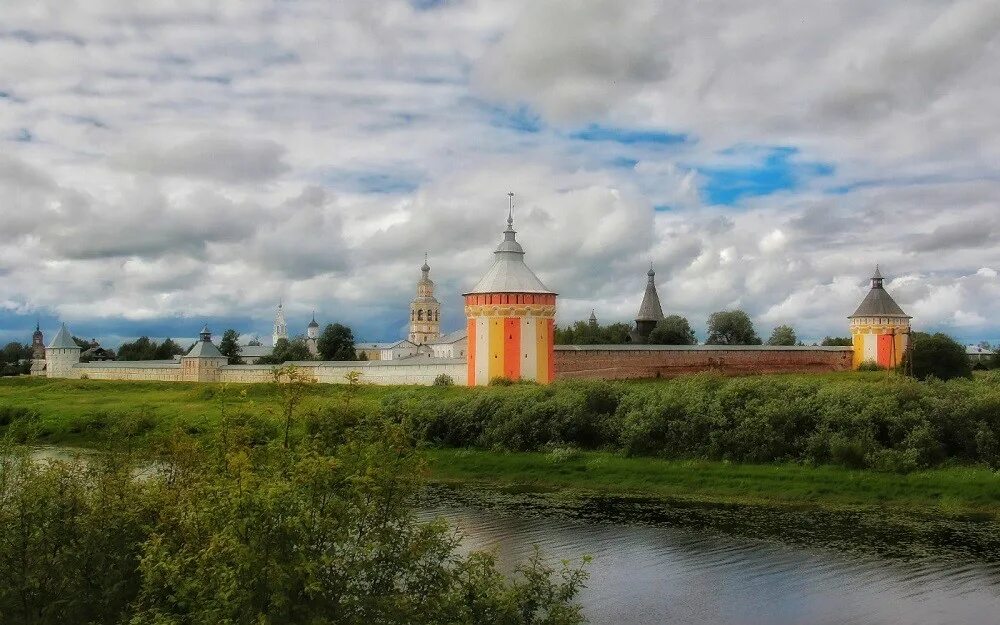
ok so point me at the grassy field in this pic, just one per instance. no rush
(75, 412)
(80, 412)
(949, 491)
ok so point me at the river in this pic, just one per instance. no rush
(676, 562)
(657, 572)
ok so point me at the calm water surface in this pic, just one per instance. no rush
(662, 574)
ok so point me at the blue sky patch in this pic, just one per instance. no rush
(775, 169)
(521, 118)
(627, 136)
(624, 162)
(371, 181)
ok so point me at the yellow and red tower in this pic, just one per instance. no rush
(511, 317)
(880, 330)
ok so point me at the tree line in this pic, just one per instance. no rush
(725, 327)
(335, 342)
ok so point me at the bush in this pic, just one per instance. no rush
(444, 380)
(845, 420)
(937, 355)
(244, 534)
(870, 365)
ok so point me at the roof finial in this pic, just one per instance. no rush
(510, 210)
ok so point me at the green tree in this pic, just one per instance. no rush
(583, 333)
(672, 330)
(783, 335)
(936, 355)
(143, 348)
(731, 327)
(81, 343)
(617, 333)
(841, 341)
(230, 346)
(254, 341)
(167, 350)
(15, 359)
(287, 350)
(336, 342)
(252, 533)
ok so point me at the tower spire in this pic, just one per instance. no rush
(510, 210)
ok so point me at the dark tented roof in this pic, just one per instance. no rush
(878, 303)
(649, 309)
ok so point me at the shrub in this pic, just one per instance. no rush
(444, 380)
(252, 535)
(937, 355)
(870, 365)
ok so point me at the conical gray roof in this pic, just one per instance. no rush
(509, 274)
(204, 348)
(63, 339)
(649, 309)
(878, 303)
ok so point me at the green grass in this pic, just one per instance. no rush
(946, 491)
(74, 412)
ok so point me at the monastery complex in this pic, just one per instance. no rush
(509, 333)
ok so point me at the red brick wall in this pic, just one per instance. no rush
(593, 362)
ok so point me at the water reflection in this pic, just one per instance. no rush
(662, 573)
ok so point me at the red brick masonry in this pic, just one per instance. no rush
(622, 362)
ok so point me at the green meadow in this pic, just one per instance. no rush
(838, 440)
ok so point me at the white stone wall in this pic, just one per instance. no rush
(408, 371)
(94, 371)
(373, 372)
(59, 362)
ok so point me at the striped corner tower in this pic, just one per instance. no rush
(511, 317)
(880, 330)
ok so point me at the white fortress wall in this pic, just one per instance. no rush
(154, 370)
(415, 371)
(381, 372)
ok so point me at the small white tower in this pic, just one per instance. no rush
(61, 354)
(280, 327)
(312, 336)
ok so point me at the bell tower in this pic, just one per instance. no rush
(425, 310)
(280, 326)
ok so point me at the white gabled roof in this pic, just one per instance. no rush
(399, 343)
(452, 337)
(63, 339)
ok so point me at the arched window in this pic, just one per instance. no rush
(413, 315)
(420, 315)
(437, 314)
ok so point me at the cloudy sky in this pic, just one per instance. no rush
(164, 164)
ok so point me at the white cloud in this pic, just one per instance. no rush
(195, 161)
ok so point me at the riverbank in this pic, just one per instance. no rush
(829, 418)
(950, 491)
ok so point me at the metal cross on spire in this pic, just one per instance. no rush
(510, 210)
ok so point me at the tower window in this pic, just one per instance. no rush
(420, 315)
